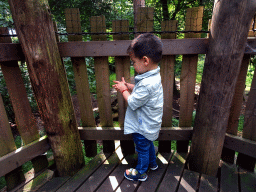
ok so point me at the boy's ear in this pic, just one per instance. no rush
(146, 60)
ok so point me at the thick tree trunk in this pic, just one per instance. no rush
(47, 73)
(229, 30)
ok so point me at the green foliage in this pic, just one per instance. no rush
(5, 14)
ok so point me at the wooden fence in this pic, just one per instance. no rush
(12, 158)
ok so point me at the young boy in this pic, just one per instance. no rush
(145, 102)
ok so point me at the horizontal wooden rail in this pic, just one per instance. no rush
(20, 156)
(117, 133)
(11, 51)
(241, 145)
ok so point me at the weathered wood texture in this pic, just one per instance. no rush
(145, 20)
(117, 133)
(102, 81)
(23, 114)
(136, 5)
(16, 158)
(81, 78)
(232, 128)
(249, 129)
(194, 18)
(217, 89)
(122, 64)
(35, 30)
(12, 177)
(167, 76)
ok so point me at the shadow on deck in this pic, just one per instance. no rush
(106, 173)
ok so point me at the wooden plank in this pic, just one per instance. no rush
(174, 171)
(235, 110)
(95, 180)
(77, 180)
(116, 133)
(249, 128)
(247, 180)
(155, 177)
(167, 76)
(6, 137)
(118, 48)
(117, 176)
(11, 51)
(54, 184)
(189, 181)
(102, 82)
(208, 184)
(188, 74)
(37, 182)
(16, 158)
(229, 178)
(241, 145)
(145, 20)
(81, 78)
(122, 65)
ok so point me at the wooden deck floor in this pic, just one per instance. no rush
(105, 173)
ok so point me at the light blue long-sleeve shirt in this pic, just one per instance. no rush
(145, 106)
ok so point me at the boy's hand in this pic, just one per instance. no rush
(120, 85)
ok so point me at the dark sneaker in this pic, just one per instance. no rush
(154, 168)
(133, 175)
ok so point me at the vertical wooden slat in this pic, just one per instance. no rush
(249, 130)
(188, 74)
(167, 75)
(8, 145)
(102, 81)
(228, 154)
(122, 70)
(81, 78)
(145, 19)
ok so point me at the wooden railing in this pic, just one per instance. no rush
(12, 158)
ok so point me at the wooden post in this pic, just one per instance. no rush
(228, 154)
(223, 60)
(82, 84)
(122, 70)
(194, 18)
(167, 75)
(47, 74)
(249, 130)
(102, 81)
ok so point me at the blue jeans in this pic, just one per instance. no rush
(146, 153)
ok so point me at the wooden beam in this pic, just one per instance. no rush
(20, 156)
(117, 133)
(13, 51)
(241, 145)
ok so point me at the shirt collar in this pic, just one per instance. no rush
(147, 74)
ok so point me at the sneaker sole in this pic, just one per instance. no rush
(144, 179)
(155, 168)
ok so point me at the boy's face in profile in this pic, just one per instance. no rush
(140, 65)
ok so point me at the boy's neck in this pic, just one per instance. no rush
(150, 68)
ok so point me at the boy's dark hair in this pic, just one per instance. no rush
(148, 45)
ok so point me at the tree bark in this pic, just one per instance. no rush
(229, 30)
(47, 74)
